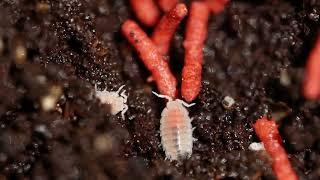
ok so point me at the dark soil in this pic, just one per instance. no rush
(256, 53)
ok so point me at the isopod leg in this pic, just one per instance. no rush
(121, 87)
(162, 96)
(125, 97)
(187, 105)
(124, 111)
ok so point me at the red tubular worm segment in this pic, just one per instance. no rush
(167, 5)
(217, 6)
(151, 57)
(167, 26)
(146, 11)
(268, 133)
(311, 86)
(196, 33)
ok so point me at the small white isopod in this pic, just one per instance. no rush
(116, 100)
(176, 129)
(256, 146)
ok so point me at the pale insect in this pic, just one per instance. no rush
(116, 100)
(176, 129)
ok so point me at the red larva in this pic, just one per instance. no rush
(217, 6)
(151, 57)
(196, 33)
(268, 133)
(311, 86)
(146, 11)
(176, 129)
(167, 5)
(166, 27)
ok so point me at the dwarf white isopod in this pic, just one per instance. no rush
(176, 129)
(115, 99)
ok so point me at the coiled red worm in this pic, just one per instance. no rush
(146, 11)
(311, 85)
(165, 29)
(150, 56)
(176, 129)
(167, 5)
(268, 133)
(217, 6)
(196, 33)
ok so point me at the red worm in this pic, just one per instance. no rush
(196, 33)
(166, 27)
(269, 135)
(151, 57)
(217, 6)
(167, 5)
(146, 11)
(311, 86)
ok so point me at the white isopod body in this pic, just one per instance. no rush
(115, 99)
(176, 129)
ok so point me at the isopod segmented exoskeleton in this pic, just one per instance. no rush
(117, 100)
(176, 129)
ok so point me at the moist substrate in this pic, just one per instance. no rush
(58, 50)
